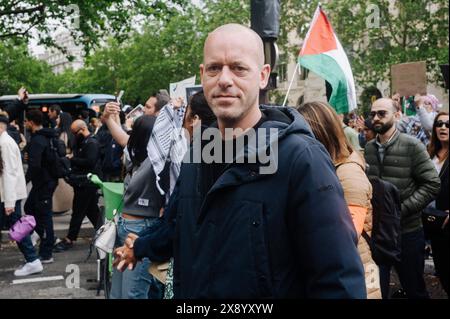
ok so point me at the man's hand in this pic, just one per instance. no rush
(129, 242)
(129, 123)
(124, 256)
(396, 97)
(419, 100)
(359, 123)
(9, 210)
(111, 108)
(177, 103)
(23, 94)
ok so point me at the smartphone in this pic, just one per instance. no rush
(119, 96)
(136, 112)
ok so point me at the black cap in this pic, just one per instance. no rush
(4, 119)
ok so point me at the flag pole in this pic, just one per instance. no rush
(290, 85)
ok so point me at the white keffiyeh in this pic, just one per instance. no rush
(167, 144)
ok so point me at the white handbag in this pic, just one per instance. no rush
(105, 238)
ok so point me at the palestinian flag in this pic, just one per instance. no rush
(322, 53)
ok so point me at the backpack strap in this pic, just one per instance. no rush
(366, 236)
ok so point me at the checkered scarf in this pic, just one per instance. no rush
(167, 144)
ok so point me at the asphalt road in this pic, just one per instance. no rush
(70, 276)
(63, 279)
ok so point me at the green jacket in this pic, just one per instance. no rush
(407, 165)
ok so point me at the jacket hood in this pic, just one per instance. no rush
(286, 120)
(280, 122)
(47, 132)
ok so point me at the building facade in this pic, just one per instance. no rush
(58, 60)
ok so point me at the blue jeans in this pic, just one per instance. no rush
(26, 245)
(137, 283)
(39, 205)
(410, 269)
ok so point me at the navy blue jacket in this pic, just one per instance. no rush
(288, 234)
(38, 166)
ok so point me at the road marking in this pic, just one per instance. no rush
(38, 279)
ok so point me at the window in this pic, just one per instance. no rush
(282, 69)
(303, 74)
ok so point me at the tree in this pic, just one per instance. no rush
(88, 21)
(380, 33)
(167, 50)
(18, 68)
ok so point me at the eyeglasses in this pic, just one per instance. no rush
(440, 123)
(380, 114)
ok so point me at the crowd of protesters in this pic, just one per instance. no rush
(228, 228)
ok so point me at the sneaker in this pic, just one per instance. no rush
(46, 260)
(29, 269)
(62, 246)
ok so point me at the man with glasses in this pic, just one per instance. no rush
(86, 159)
(403, 161)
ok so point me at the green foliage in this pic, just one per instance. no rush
(18, 68)
(408, 30)
(88, 21)
(167, 50)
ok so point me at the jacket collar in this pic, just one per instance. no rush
(391, 141)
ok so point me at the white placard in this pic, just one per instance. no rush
(178, 89)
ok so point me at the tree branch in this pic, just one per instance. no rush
(18, 11)
(389, 24)
(7, 35)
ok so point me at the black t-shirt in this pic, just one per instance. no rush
(217, 169)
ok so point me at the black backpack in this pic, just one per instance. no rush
(385, 243)
(58, 163)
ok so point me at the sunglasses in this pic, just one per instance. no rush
(380, 114)
(440, 123)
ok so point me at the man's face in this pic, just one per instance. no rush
(368, 134)
(150, 106)
(231, 75)
(28, 124)
(52, 114)
(383, 116)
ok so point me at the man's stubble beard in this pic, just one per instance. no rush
(384, 127)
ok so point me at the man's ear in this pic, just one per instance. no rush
(265, 73)
(202, 69)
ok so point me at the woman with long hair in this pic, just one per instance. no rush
(350, 169)
(63, 195)
(440, 241)
(142, 203)
(63, 123)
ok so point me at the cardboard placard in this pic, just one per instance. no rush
(409, 78)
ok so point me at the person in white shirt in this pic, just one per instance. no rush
(12, 191)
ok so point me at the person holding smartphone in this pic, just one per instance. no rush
(17, 108)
